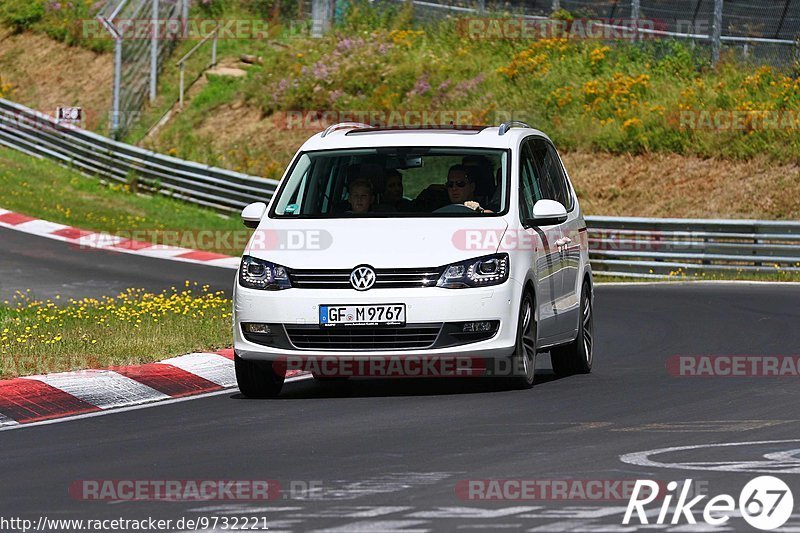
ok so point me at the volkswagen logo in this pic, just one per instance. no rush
(362, 278)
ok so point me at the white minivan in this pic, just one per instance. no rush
(387, 244)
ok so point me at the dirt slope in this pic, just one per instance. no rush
(47, 74)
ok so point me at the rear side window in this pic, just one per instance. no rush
(551, 179)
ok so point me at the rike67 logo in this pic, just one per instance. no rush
(766, 503)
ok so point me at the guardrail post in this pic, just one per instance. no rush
(185, 18)
(180, 98)
(320, 17)
(154, 52)
(115, 112)
(214, 49)
(635, 13)
(716, 37)
(115, 98)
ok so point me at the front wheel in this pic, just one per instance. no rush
(524, 358)
(258, 379)
(577, 356)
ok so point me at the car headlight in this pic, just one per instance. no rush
(480, 272)
(258, 274)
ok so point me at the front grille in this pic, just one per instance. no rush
(385, 278)
(410, 336)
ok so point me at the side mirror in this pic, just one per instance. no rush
(252, 214)
(547, 213)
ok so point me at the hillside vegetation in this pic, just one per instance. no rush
(622, 113)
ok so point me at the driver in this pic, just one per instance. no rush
(461, 188)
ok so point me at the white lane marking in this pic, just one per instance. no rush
(575, 526)
(99, 240)
(41, 227)
(227, 262)
(377, 526)
(489, 527)
(5, 421)
(788, 455)
(276, 526)
(164, 252)
(472, 512)
(210, 366)
(704, 426)
(352, 512)
(241, 508)
(577, 512)
(785, 464)
(228, 390)
(103, 388)
(350, 490)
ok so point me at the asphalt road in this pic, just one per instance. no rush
(49, 267)
(388, 455)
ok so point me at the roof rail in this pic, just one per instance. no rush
(344, 125)
(505, 126)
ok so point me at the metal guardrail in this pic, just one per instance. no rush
(667, 247)
(40, 135)
(626, 247)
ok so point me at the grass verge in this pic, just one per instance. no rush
(133, 327)
(43, 189)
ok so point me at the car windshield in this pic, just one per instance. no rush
(395, 182)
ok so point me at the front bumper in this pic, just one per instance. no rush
(423, 306)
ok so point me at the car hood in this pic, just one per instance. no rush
(381, 243)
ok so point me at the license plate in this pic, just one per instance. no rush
(362, 315)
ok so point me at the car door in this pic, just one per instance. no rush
(568, 301)
(546, 257)
(553, 182)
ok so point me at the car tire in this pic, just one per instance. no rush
(258, 379)
(523, 361)
(577, 357)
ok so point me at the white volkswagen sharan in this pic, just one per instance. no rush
(392, 244)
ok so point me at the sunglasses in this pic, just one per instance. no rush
(453, 184)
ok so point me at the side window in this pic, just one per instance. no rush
(559, 178)
(552, 181)
(528, 189)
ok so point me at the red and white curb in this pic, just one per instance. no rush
(86, 239)
(32, 399)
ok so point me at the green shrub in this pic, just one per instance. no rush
(21, 15)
